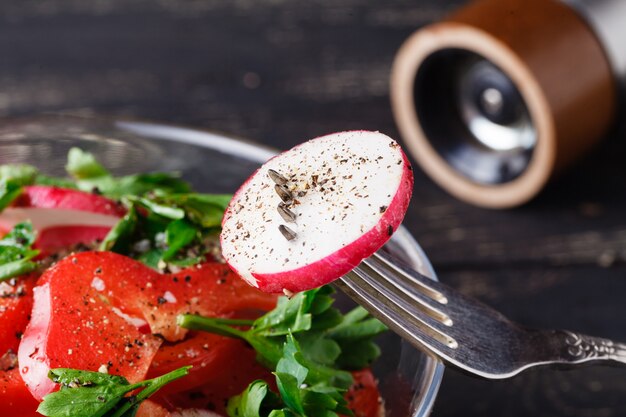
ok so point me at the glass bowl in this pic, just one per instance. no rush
(408, 378)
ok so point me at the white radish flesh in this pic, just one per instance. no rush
(349, 192)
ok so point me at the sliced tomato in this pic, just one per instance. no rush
(44, 196)
(210, 289)
(15, 398)
(222, 367)
(16, 301)
(89, 308)
(208, 353)
(363, 397)
(73, 326)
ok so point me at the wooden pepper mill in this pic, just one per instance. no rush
(504, 94)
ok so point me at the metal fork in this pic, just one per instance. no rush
(463, 331)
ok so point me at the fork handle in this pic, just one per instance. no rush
(579, 348)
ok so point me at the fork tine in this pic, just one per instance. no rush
(397, 311)
(414, 292)
(426, 284)
(406, 305)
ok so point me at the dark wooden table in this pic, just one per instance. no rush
(279, 72)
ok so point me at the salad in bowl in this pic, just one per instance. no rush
(118, 301)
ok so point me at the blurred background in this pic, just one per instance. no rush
(279, 72)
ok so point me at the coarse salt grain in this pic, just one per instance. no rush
(169, 297)
(98, 284)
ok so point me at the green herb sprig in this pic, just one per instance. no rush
(90, 175)
(96, 394)
(86, 174)
(174, 229)
(163, 218)
(16, 251)
(12, 178)
(302, 391)
(166, 223)
(310, 346)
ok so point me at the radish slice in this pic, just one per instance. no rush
(311, 214)
(62, 217)
(43, 218)
(45, 196)
(57, 238)
(58, 229)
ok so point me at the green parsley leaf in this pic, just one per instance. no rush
(15, 251)
(143, 184)
(90, 174)
(355, 337)
(167, 211)
(319, 348)
(151, 258)
(178, 234)
(55, 182)
(309, 344)
(83, 165)
(96, 394)
(21, 236)
(20, 174)
(120, 236)
(289, 389)
(83, 401)
(302, 392)
(9, 191)
(166, 230)
(256, 400)
(267, 333)
(205, 210)
(288, 364)
(19, 267)
(68, 376)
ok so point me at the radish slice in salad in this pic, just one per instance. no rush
(62, 217)
(312, 213)
(44, 196)
(47, 206)
(44, 218)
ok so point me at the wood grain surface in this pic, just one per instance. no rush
(279, 72)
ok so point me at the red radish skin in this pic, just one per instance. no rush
(287, 278)
(57, 238)
(43, 196)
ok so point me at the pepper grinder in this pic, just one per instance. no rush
(503, 95)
